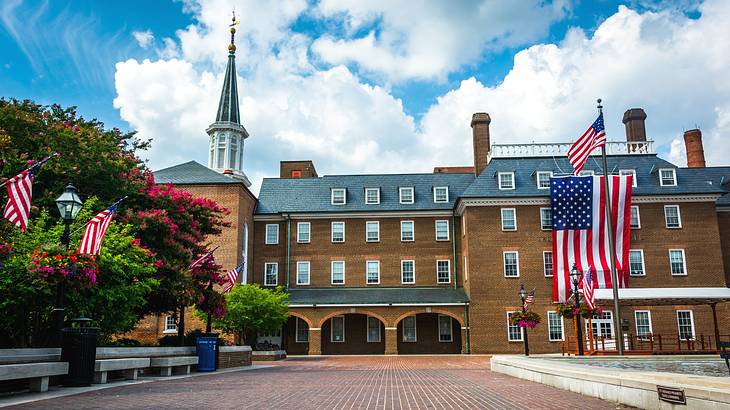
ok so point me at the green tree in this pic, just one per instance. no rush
(252, 309)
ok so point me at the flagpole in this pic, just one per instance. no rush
(612, 250)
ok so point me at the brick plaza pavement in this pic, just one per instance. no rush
(345, 382)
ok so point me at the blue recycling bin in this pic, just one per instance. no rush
(206, 353)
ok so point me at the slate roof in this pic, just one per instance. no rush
(228, 105)
(689, 181)
(361, 296)
(314, 194)
(192, 173)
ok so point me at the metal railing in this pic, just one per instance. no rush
(646, 344)
(561, 149)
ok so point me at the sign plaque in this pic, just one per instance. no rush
(671, 395)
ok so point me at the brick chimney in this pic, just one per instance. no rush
(480, 136)
(695, 152)
(635, 127)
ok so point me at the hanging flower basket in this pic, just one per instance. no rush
(569, 311)
(528, 319)
(56, 264)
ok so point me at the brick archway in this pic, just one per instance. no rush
(424, 310)
(352, 311)
(301, 316)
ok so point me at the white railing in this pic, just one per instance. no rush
(561, 149)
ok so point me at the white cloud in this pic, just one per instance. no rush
(143, 38)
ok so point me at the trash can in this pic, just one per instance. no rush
(78, 348)
(206, 353)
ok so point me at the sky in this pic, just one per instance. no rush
(376, 86)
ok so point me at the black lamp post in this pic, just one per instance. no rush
(523, 295)
(69, 204)
(575, 278)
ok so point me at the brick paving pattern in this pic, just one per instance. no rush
(354, 382)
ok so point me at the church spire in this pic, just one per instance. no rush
(228, 105)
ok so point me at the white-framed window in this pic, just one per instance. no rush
(509, 219)
(170, 324)
(555, 327)
(643, 323)
(543, 179)
(271, 273)
(372, 272)
(632, 172)
(546, 219)
(440, 194)
(408, 271)
(672, 216)
(406, 231)
(338, 232)
(303, 232)
(446, 332)
(511, 264)
(373, 329)
(337, 329)
(405, 195)
(301, 331)
(272, 234)
(635, 217)
(677, 263)
(686, 324)
(372, 231)
(443, 271)
(337, 274)
(506, 180)
(636, 262)
(339, 196)
(586, 173)
(302, 273)
(372, 196)
(547, 263)
(667, 177)
(514, 332)
(409, 329)
(442, 230)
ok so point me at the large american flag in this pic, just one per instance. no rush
(232, 276)
(580, 232)
(594, 137)
(587, 285)
(95, 231)
(20, 194)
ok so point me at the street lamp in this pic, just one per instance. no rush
(69, 204)
(523, 295)
(575, 278)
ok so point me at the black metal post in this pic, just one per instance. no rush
(524, 329)
(578, 326)
(208, 326)
(59, 312)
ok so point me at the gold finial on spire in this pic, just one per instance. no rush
(234, 23)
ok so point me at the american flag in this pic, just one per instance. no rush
(580, 232)
(594, 137)
(96, 229)
(202, 259)
(529, 299)
(20, 194)
(232, 276)
(586, 284)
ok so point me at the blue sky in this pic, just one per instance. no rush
(156, 67)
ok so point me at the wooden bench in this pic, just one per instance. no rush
(725, 353)
(128, 366)
(168, 364)
(37, 373)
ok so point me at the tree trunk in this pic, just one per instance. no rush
(181, 327)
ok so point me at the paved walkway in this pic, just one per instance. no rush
(349, 382)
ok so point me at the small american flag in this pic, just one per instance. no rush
(587, 286)
(529, 299)
(594, 137)
(20, 194)
(201, 260)
(96, 229)
(232, 276)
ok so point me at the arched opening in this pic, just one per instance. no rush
(295, 334)
(429, 333)
(353, 333)
(244, 255)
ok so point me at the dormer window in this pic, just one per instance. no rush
(668, 177)
(543, 179)
(506, 180)
(632, 172)
(372, 196)
(339, 196)
(440, 194)
(405, 195)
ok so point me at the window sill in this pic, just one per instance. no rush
(443, 240)
(446, 341)
(169, 332)
(301, 342)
